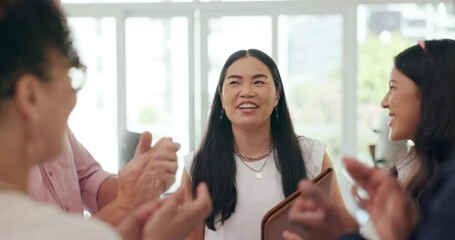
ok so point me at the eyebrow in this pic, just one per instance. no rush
(258, 75)
(234, 76)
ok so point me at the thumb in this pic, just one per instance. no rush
(145, 143)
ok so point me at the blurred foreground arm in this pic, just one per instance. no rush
(177, 217)
(171, 218)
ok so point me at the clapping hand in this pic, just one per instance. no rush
(150, 173)
(167, 219)
(392, 211)
(318, 217)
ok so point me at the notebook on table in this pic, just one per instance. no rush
(275, 221)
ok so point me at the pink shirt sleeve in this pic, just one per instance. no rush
(90, 173)
(71, 180)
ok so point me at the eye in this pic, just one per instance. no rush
(259, 82)
(233, 82)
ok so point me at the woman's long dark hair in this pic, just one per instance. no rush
(432, 68)
(214, 162)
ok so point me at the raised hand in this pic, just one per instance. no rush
(165, 165)
(176, 218)
(318, 216)
(393, 213)
(149, 173)
(143, 179)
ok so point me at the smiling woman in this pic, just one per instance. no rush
(404, 115)
(422, 86)
(250, 157)
(249, 95)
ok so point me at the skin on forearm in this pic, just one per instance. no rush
(107, 192)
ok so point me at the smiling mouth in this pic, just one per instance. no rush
(248, 106)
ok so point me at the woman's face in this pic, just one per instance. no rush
(249, 94)
(403, 102)
(58, 101)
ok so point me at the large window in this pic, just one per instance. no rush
(310, 65)
(157, 78)
(154, 64)
(383, 31)
(94, 119)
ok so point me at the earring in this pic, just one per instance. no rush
(277, 116)
(221, 117)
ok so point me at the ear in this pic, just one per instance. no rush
(28, 96)
(220, 92)
(277, 98)
(222, 102)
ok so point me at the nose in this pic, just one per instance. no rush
(247, 91)
(385, 101)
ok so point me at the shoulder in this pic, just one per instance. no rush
(310, 144)
(313, 154)
(442, 187)
(436, 221)
(188, 160)
(46, 222)
(75, 227)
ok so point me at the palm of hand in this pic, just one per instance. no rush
(137, 185)
(149, 173)
(392, 212)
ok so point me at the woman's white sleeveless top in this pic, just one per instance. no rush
(255, 197)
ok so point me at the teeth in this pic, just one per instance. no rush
(248, 105)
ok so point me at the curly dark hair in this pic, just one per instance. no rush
(29, 29)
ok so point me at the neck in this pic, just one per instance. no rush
(15, 161)
(13, 175)
(252, 143)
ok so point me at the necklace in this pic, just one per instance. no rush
(254, 158)
(259, 174)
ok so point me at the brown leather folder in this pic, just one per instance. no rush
(275, 221)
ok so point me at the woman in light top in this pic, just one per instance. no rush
(250, 157)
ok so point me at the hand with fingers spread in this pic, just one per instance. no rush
(176, 218)
(392, 211)
(318, 216)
